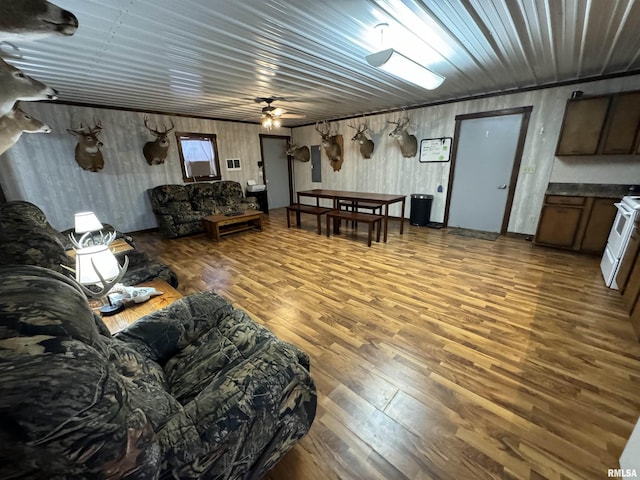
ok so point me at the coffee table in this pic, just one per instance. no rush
(133, 312)
(215, 226)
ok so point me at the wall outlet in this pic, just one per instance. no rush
(529, 169)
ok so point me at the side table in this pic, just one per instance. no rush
(261, 197)
(134, 311)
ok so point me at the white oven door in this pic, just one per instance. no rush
(609, 266)
(621, 230)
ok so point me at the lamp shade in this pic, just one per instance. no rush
(90, 260)
(403, 67)
(87, 222)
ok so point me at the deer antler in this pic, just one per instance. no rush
(105, 286)
(323, 132)
(146, 124)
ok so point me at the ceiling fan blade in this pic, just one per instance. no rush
(293, 115)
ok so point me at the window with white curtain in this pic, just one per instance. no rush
(198, 156)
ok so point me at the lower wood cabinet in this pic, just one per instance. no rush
(576, 223)
(629, 282)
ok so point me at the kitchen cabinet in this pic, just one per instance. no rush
(631, 292)
(584, 119)
(598, 226)
(601, 125)
(576, 223)
(559, 221)
(620, 132)
(629, 259)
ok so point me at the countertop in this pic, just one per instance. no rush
(604, 190)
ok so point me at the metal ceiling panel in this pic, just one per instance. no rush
(212, 58)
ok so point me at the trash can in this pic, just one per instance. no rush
(420, 209)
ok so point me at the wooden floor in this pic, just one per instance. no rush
(435, 356)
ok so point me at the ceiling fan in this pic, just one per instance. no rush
(271, 115)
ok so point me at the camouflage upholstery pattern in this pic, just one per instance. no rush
(179, 209)
(194, 391)
(27, 238)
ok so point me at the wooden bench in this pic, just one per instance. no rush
(355, 206)
(355, 217)
(310, 209)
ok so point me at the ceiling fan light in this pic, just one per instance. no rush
(266, 121)
(403, 67)
(277, 123)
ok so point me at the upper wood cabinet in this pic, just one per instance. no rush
(584, 119)
(601, 125)
(620, 132)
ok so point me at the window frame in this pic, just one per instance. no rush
(211, 137)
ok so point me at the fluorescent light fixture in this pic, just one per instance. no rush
(403, 67)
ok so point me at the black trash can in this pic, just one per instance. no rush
(420, 209)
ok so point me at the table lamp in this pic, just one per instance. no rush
(86, 224)
(97, 266)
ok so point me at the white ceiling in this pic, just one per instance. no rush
(210, 58)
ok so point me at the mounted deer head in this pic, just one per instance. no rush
(13, 124)
(331, 146)
(366, 144)
(15, 85)
(88, 154)
(33, 19)
(156, 152)
(302, 154)
(408, 143)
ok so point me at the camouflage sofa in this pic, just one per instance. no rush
(27, 238)
(194, 391)
(179, 209)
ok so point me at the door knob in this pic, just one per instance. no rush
(502, 187)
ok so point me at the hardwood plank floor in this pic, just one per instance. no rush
(435, 356)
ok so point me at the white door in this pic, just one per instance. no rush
(276, 171)
(485, 155)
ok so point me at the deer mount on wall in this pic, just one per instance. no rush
(332, 143)
(15, 85)
(155, 152)
(34, 19)
(302, 154)
(408, 143)
(13, 124)
(88, 154)
(366, 144)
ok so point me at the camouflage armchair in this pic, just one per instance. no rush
(195, 391)
(27, 238)
(179, 209)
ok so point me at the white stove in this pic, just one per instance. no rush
(628, 211)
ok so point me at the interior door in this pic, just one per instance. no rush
(276, 170)
(484, 171)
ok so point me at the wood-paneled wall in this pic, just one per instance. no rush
(387, 171)
(41, 168)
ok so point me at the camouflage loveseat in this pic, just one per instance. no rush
(179, 209)
(194, 391)
(27, 238)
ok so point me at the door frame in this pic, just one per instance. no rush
(526, 113)
(289, 162)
